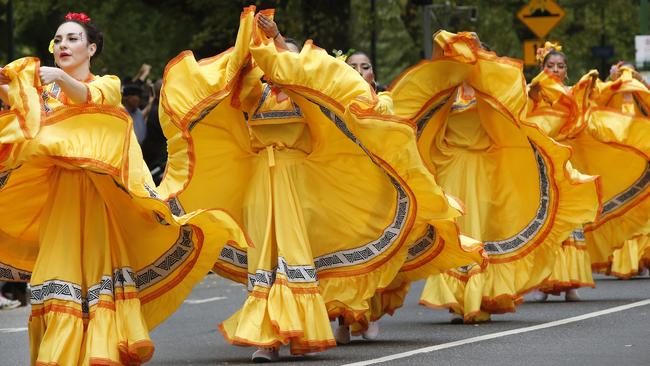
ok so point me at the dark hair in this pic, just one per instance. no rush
(486, 46)
(360, 53)
(132, 89)
(293, 42)
(376, 86)
(93, 34)
(552, 53)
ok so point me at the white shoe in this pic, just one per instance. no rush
(644, 272)
(6, 304)
(266, 355)
(571, 295)
(372, 332)
(539, 296)
(342, 334)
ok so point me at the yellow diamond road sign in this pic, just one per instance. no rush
(541, 16)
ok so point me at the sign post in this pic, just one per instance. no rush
(530, 51)
(540, 16)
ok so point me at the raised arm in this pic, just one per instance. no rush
(75, 90)
(270, 29)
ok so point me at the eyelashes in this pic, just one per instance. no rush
(72, 37)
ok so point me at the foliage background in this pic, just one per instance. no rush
(154, 31)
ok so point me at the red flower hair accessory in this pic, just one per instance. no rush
(79, 17)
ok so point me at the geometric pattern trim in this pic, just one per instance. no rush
(520, 239)
(295, 274)
(152, 192)
(175, 206)
(422, 122)
(370, 250)
(203, 114)
(338, 259)
(9, 273)
(121, 278)
(234, 256)
(467, 268)
(532, 229)
(578, 234)
(296, 112)
(630, 193)
(54, 93)
(167, 263)
(68, 291)
(422, 244)
(56, 289)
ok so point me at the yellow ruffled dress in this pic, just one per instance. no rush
(107, 261)
(630, 98)
(330, 192)
(521, 195)
(422, 261)
(560, 112)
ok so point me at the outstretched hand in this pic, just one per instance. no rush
(268, 26)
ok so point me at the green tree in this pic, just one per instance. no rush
(155, 31)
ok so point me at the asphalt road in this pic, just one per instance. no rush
(537, 334)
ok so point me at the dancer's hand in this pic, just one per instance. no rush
(50, 74)
(268, 26)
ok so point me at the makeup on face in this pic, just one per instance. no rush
(71, 48)
(362, 64)
(556, 65)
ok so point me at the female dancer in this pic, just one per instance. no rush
(627, 92)
(572, 268)
(329, 191)
(592, 119)
(419, 263)
(522, 197)
(106, 260)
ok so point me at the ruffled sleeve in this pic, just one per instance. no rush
(105, 90)
(193, 91)
(23, 121)
(191, 86)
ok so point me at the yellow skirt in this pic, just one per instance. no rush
(106, 259)
(602, 138)
(572, 266)
(629, 260)
(610, 138)
(523, 198)
(331, 193)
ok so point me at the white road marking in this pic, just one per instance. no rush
(12, 330)
(203, 301)
(501, 334)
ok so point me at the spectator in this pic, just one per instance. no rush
(154, 146)
(131, 97)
